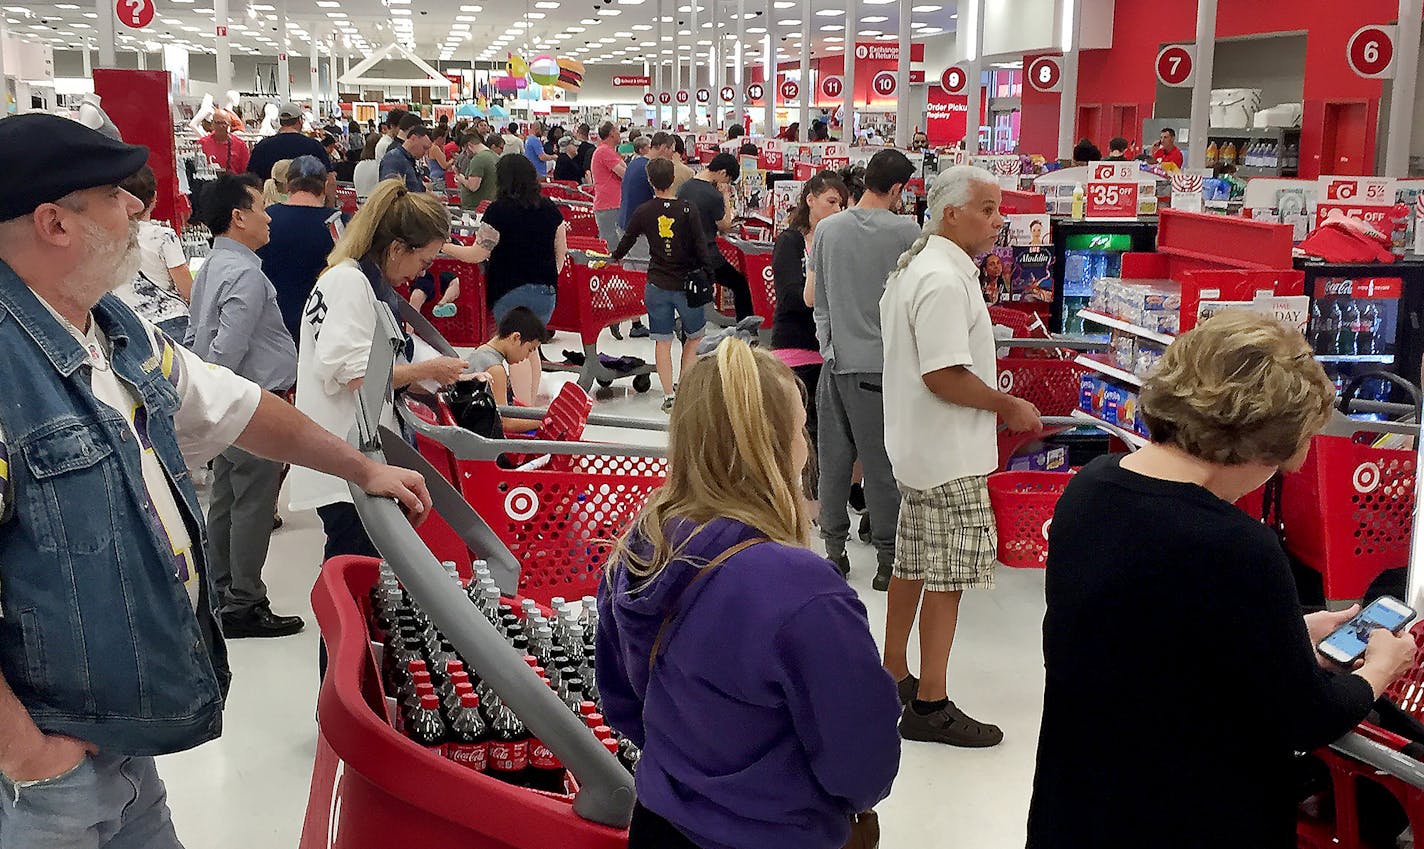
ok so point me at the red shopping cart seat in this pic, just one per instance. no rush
(347, 200)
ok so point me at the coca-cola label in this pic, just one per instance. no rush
(540, 757)
(1389, 288)
(473, 755)
(506, 756)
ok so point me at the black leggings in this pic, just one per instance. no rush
(650, 831)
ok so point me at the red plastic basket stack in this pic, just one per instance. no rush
(1348, 512)
(1023, 505)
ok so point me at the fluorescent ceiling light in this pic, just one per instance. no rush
(874, 19)
(827, 13)
(588, 22)
(609, 13)
(789, 22)
(832, 28)
(925, 8)
(642, 27)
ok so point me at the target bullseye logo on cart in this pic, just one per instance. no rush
(1046, 526)
(767, 275)
(1366, 478)
(521, 504)
(1006, 381)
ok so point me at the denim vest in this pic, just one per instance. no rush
(97, 634)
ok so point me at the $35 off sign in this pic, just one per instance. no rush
(1111, 200)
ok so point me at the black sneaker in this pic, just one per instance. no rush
(616, 331)
(881, 582)
(638, 331)
(948, 725)
(259, 621)
(864, 530)
(908, 686)
(841, 561)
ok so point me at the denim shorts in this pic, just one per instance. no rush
(536, 297)
(662, 304)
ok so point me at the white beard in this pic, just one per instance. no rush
(109, 264)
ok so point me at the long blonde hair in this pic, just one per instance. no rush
(275, 189)
(392, 213)
(729, 457)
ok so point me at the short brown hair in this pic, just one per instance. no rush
(143, 185)
(661, 174)
(1239, 388)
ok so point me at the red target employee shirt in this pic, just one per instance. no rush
(1173, 156)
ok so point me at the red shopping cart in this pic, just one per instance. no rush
(1348, 511)
(590, 299)
(557, 505)
(1025, 324)
(579, 216)
(563, 190)
(753, 260)
(1370, 756)
(346, 199)
(472, 325)
(1051, 385)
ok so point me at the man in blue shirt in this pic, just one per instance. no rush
(237, 324)
(399, 161)
(289, 143)
(534, 149)
(636, 191)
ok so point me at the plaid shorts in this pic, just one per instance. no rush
(946, 536)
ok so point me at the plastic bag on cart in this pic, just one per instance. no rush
(748, 330)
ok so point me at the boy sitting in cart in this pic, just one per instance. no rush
(518, 336)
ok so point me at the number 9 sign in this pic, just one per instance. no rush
(1370, 51)
(1046, 74)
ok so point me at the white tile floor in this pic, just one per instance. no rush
(249, 789)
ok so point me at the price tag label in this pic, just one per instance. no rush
(1111, 200)
(1112, 172)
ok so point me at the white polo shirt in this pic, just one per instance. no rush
(933, 316)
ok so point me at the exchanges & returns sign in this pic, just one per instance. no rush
(631, 81)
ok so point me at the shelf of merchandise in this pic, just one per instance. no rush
(1119, 324)
(1098, 365)
(1137, 440)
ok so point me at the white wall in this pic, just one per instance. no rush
(1018, 26)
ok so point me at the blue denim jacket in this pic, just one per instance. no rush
(98, 638)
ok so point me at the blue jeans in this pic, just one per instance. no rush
(662, 304)
(536, 297)
(107, 802)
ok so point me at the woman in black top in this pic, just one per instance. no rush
(1181, 676)
(793, 328)
(524, 263)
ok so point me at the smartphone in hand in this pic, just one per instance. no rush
(1346, 644)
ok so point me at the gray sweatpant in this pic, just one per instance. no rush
(608, 231)
(240, 526)
(851, 426)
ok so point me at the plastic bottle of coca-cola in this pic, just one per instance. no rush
(546, 771)
(425, 726)
(508, 747)
(469, 736)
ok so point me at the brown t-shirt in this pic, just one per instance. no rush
(676, 246)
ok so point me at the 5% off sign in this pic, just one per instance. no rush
(1111, 192)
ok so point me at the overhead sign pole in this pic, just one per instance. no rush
(974, 66)
(1401, 97)
(1205, 55)
(1070, 25)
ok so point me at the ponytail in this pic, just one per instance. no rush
(275, 189)
(392, 213)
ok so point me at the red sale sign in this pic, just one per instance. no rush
(1111, 200)
(1375, 216)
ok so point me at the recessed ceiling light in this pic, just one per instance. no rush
(832, 28)
(789, 22)
(874, 19)
(925, 8)
(588, 22)
(608, 13)
(870, 32)
(472, 8)
(343, 14)
(756, 30)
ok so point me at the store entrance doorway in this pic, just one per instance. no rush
(1090, 123)
(1342, 149)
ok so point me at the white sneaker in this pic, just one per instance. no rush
(667, 403)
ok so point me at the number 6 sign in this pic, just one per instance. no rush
(1370, 51)
(1046, 74)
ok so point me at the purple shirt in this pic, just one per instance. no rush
(768, 720)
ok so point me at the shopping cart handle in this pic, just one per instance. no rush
(605, 788)
(1126, 436)
(1075, 343)
(466, 445)
(1361, 405)
(1340, 424)
(1382, 758)
(473, 531)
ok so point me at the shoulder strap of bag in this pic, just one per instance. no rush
(701, 573)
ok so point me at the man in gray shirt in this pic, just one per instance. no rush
(851, 257)
(237, 324)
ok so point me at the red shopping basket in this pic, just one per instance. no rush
(1023, 505)
(374, 789)
(1025, 325)
(1348, 512)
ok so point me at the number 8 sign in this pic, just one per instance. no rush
(1046, 74)
(1370, 51)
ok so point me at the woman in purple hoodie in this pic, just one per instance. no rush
(738, 660)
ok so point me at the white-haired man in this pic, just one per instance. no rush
(941, 412)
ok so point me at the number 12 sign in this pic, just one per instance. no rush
(1111, 200)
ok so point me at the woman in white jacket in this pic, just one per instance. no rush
(393, 239)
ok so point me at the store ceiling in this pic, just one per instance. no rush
(594, 31)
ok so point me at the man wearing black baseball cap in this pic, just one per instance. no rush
(289, 142)
(110, 647)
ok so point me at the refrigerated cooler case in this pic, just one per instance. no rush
(1365, 319)
(1084, 251)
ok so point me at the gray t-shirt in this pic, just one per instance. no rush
(852, 256)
